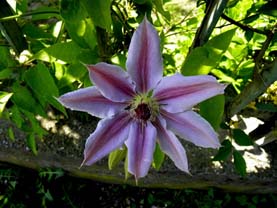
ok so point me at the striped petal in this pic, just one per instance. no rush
(112, 81)
(141, 145)
(109, 135)
(144, 62)
(90, 100)
(192, 127)
(171, 146)
(178, 93)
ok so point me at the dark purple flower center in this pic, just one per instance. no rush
(143, 112)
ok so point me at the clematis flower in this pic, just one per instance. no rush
(140, 108)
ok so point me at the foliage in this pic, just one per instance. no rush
(45, 57)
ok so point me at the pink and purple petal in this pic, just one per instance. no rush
(171, 146)
(110, 134)
(90, 100)
(144, 61)
(192, 127)
(178, 93)
(112, 81)
(141, 145)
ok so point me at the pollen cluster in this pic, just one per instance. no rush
(144, 107)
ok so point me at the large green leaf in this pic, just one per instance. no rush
(41, 82)
(77, 23)
(100, 12)
(212, 110)
(67, 52)
(203, 59)
(24, 99)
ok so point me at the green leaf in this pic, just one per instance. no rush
(24, 99)
(209, 54)
(67, 52)
(5, 73)
(31, 142)
(158, 157)
(212, 114)
(241, 138)
(224, 151)
(240, 164)
(115, 157)
(159, 6)
(79, 27)
(4, 98)
(127, 174)
(16, 116)
(100, 12)
(11, 134)
(11, 30)
(70, 9)
(41, 82)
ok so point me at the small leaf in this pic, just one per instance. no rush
(127, 174)
(31, 142)
(158, 157)
(11, 134)
(240, 164)
(212, 114)
(224, 151)
(115, 157)
(241, 138)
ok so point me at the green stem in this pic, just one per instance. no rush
(4, 19)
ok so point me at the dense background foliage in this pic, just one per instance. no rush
(45, 44)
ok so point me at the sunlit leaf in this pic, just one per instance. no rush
(66, 52)
(158, 157)
(212, 110)
(4, 97)
(203, 59)
(100, 12)
(116, 157)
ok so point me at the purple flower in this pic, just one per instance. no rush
(140, 107)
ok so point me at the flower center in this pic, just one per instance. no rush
(144, 107)
(143, 112)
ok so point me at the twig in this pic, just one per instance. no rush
(243, 26)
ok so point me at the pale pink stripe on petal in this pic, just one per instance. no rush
(171, 146)
(144, 61)
(192, 127)
(109, 135)
(178, 93)
(91, 101)
(141, 145)
(112, 81)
